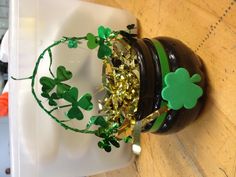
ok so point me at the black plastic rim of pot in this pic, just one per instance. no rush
(158, 80)
(147, 79)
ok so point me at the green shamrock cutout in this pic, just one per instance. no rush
(51, 98)
(97, 120)
(92, 41)
(105, 132)
(103, 32)
(130, 27)
(48, 84)
(107, 142)
(84, 102)
(181, 90)
(103, 51)
(101, 41)
(72, 43)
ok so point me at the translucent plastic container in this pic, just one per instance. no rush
(4, 141)
(39, 147)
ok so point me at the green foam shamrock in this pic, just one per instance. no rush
(48, 84)
(83, 102)
(181, 90)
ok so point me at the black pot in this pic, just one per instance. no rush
(157, 57)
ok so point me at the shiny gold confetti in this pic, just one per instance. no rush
(121, 82)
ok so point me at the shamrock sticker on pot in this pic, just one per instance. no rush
(181, 90)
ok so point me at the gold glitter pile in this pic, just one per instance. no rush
(121, 82)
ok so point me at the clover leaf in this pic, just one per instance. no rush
(72, 43)
(48, 84)
(92, 41)
(103, 32)
(107, 142)
(103, 51)
(106, 132)
(51, 98)
(181, 90)
(102, 40)
(84, 102)
(130, 26)
(97, 120)
(128, 139)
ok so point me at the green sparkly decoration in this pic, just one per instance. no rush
(51, 98)
(92, 41)
(103, 51)
(181, 90)
(72, 43)
(54, 88)
(128, 139)
(103, 32)
(102, 40)
(97, 120)
(107, 142)
(48, 84)
(84, 102)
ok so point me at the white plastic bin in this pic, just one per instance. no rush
(39, 147)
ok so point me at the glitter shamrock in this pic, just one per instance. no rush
(51, 98)
(84, 102)
(103, 32)
(54, 88)
(102, 41)
(181, 90)
(106, 132)
(72, 43)
(48, 84)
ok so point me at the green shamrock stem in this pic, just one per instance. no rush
(65, 120)
(74, 38)
(24, 78)
(64, 106)
(50, 66)
(195, 78)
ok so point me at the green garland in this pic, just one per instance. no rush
(54, 88)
